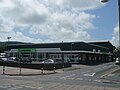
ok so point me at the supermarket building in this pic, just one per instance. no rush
(76, 52)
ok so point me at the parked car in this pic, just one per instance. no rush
(51, 61)
(48, 61)
(117, 61)
(25, 60)
(3, 59)
(12, 59)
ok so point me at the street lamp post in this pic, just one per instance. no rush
(104, 1)
(8, 47)
(7, 54)
(8, 38)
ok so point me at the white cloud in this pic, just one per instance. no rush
(17, 36)
(6, 25)
(78, 4)
(115, 39)
(66, 27)
(54, 20)
(25, 11)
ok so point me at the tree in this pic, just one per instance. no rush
(117, 51)
(2, 48)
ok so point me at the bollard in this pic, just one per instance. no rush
(20, 70)
(54, 69)
(3, 69)
(63, 68)
(42, 70)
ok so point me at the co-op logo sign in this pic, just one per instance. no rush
(22, 50)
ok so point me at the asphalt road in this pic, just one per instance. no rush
(88, 78)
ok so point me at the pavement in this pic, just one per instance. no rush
(27, 72)
(12, 71)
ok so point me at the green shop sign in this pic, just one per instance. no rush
(29, 50)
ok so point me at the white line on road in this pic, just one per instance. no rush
(88, 79)
(90, 74)
(97, 80)
(31, 87)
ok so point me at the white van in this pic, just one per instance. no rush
(117, 61)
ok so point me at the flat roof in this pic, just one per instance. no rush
(59, 51)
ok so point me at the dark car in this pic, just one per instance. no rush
(25, 60)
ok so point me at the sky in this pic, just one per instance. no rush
(44, 21)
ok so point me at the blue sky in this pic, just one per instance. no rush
(107, 21)
(42, 21)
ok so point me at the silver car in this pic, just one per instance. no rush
(48, 61)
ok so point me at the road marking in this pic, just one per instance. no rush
(106, 74)
(90, 74)
(88, 79)
(97, 80)
(31, 87)
(111, 74)
(39, 87)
